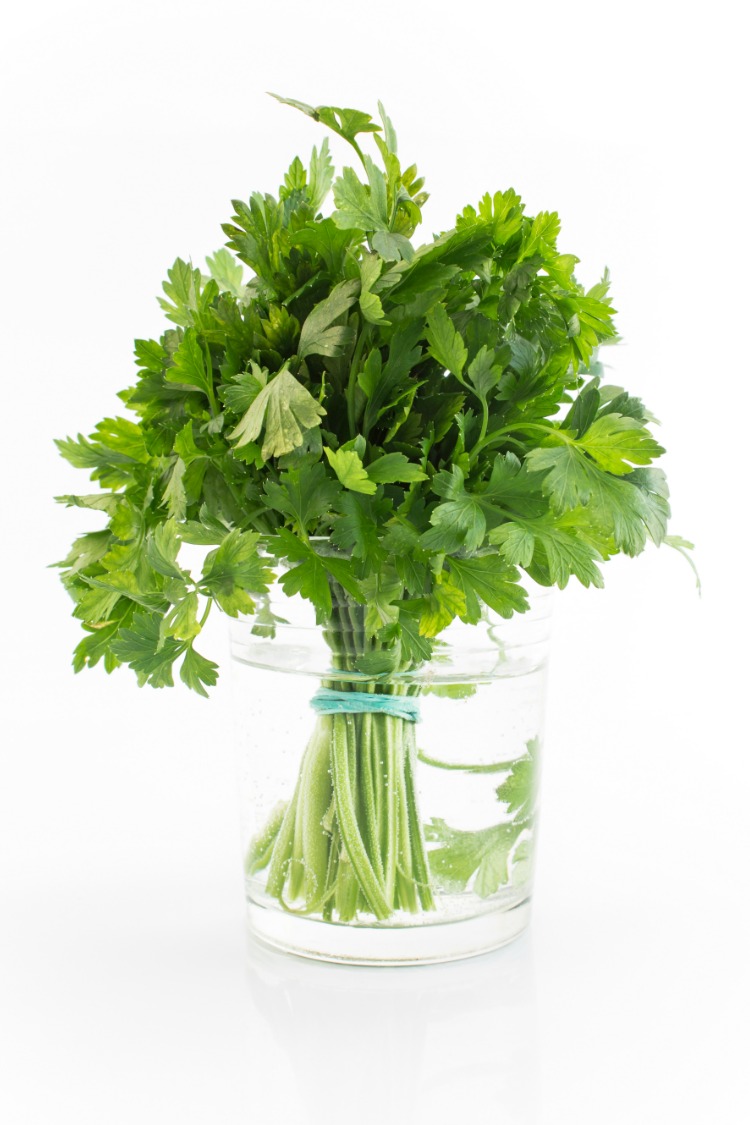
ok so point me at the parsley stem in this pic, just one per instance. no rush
(485, 421)
(515, 427)
(351, 838)
(465, 767)
(342, 745)
(351, 389)
(210, 381)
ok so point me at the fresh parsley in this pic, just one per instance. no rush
(437, 411)
(434, 415)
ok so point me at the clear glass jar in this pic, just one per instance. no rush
(401, 835)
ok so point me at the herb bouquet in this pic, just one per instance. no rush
(403, 436)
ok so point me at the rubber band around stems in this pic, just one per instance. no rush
(327, 701)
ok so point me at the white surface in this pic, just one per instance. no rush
(126, 994)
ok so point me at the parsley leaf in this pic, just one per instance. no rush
(445, 343)
(305, 496)
(349, 469)
(286, 408)
(319, 335)
(234, 571)
(491, 857)
(143, 648)
(198, 672)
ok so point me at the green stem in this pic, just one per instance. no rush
(282, 849)
(351, 388)
(513, 428)
(210, 381)
(391, 810)
(350, 840)
(419, 849)
(369, 797)
(317, 792)
(343, 732)
(261, 847)
(466, 767)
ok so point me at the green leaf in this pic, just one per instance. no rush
(559, 549)
(518, 790)
(190, 365)
(357, 206)
(459, 521)
(110, 466)
(182, 623)
(392, 247)
(183, 291)
(584, 410)
(389, 133)
(492, 580)
(445, 343)
(206, 531)
(162, 548)
(198, 672)
(484, 373)
(444, 603)
(96, 501)
(617, 442)
(244, 388)
(682, 546)
(462, 520)
(629, 507)
(387, 384)
(382, 591)
(320, 176)
(287, 409)
(541, 237)
(496, 855)
(306, 576)
(328, 241)
(356, 528)
(392, 467)
(95, 606)
(460, 855)
(227, 272)
(142, 647)
(122, 439)
(369, 302)
(234, 571)
(617, 401)
(319, 335)
(348, 123)
(128, 584)
(571, 477)
(150, 356)
(310, 573)
(175, 497)
(303, 495)
(86, 550)
(185, 447)
(416, 648)
(348, 467)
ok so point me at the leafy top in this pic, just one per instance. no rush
(435, 412)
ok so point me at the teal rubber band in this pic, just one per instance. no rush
(326, 701)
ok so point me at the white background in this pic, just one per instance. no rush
(126, 991)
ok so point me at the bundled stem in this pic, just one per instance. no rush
(350, 840)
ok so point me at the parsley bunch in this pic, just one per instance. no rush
(436, 414)
(396, 433)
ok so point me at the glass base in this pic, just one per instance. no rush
(388, 945)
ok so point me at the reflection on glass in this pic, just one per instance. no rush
(433, 1043)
